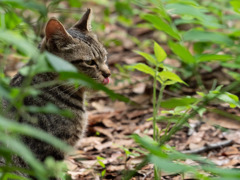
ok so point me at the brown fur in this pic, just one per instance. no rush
(79, 46)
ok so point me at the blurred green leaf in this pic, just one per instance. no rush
(175, 102)
(40, 65)
(20, 149)
(8, 176)
(167, 75)
(89, 82)
(204, 36)
(167, 165)
(150, 58)
(143, 68)
(49, 108)
(182, 52)
(28, 48)
(12, 126)
(212, 57)
(230, 98)
(74, 3)
(10, 20)
(159, 53)
(24, 4)
(236, 5)
(59, 64)
(123, 8)
(189, 11)
(161, 25)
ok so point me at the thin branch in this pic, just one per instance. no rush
(208, 147)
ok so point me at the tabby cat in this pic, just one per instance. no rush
(79, 46)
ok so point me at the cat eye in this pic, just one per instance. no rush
(91, 63)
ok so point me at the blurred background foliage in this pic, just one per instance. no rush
(200, 36)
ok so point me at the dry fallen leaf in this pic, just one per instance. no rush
(230, 151)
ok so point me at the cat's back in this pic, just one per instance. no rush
(64, 97)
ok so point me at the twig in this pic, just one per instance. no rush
(208, 147)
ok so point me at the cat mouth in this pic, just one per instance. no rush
(106, 80)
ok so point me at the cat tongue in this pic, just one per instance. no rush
(106, 80)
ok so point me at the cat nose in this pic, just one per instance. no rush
(106, 74)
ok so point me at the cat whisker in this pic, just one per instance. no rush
(76, 90)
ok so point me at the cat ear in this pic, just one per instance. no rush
(55, 29)
(84, 24)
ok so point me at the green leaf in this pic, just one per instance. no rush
(59, 64)
(186, 9)
(234, 75)
(74, 3)
(182, 52)
(161, 25)
(159, 52)
(175, 102)
(167, 75)
(24, 129)
(13, 176)
(194, 13)
(212, 57)
(49, 108)
(89, 82)
(230, 98)
(99, 159)
(32, 5)
(143, 68)
(236, 5)
(150, 58)
(204, 36)
(40, 65)
(28, 48)
(167, 165)
(20, 149)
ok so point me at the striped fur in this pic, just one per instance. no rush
(79, 46)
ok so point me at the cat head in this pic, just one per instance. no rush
(79, 46)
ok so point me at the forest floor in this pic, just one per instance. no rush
(108, 148)
(111, 123)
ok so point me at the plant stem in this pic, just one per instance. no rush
(155, 111)
(156, 170)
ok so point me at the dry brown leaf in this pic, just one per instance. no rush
(100, 147)
(220, 161)
(124, 142)
(90, 141)
(193, 146)
(233, 135)
(231, 151)
(109, 123)
(142, 99)
(100, 106)
(139, 88)
(196, 137)
(112, 168)
(106, 132)
(119, 106)
(136, 113)
(232, 163)
(213, 119)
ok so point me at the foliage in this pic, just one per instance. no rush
(18, 38)
(198, 33)
(212, 41)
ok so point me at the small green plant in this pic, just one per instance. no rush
(204, 31)
(18, 38)
(100, 162)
